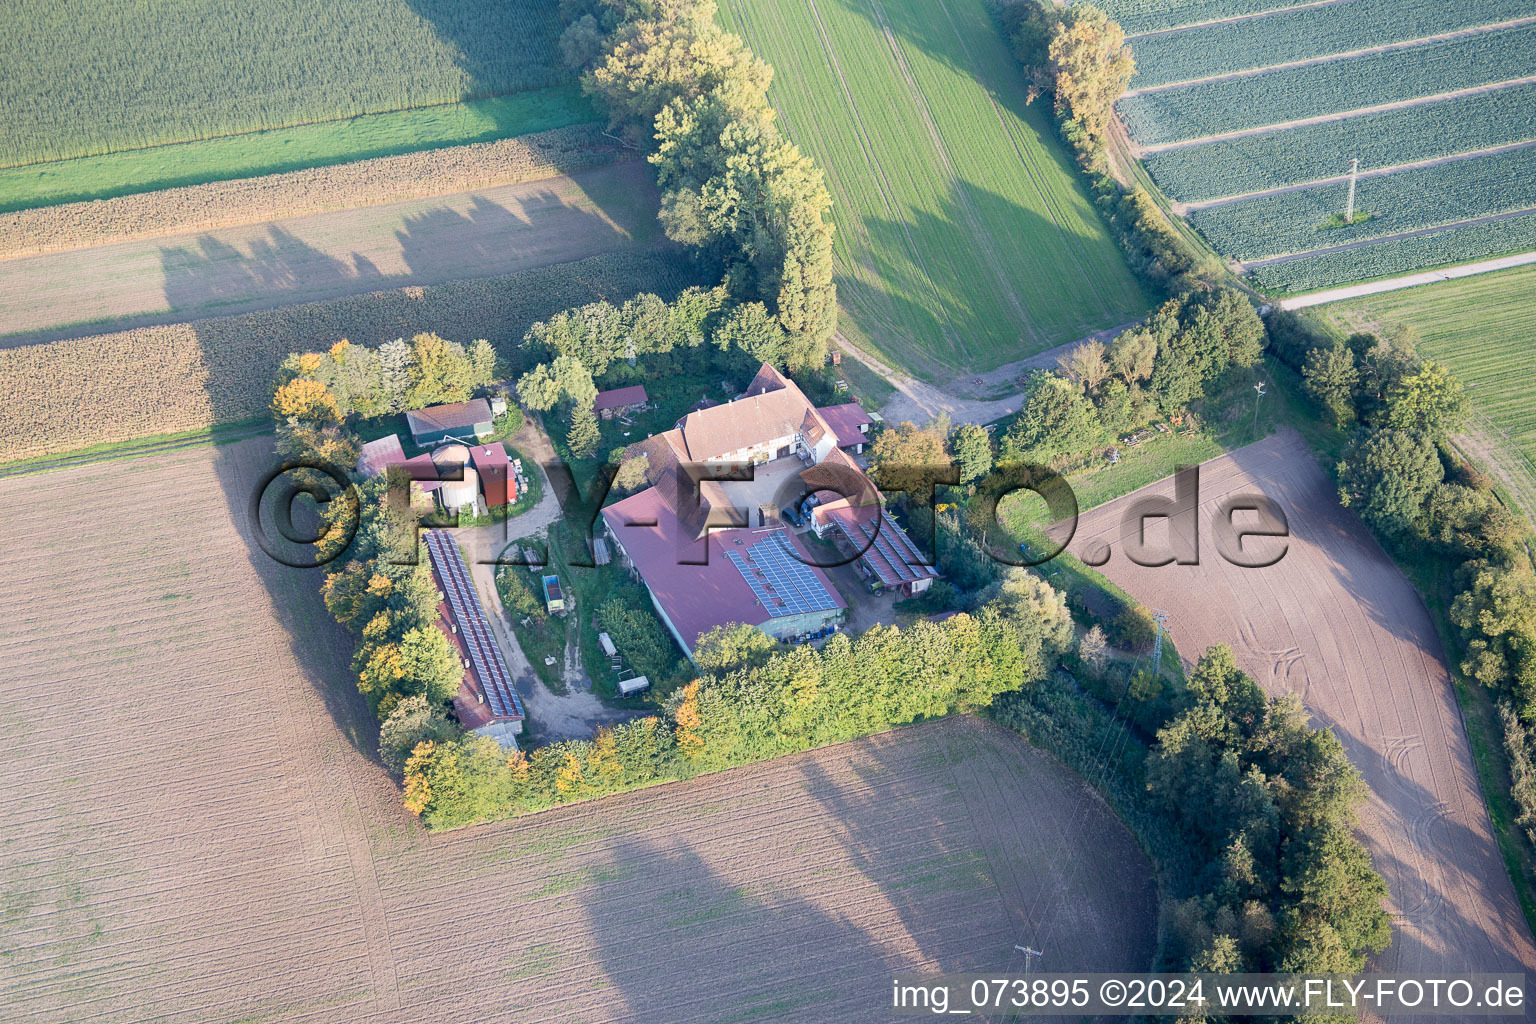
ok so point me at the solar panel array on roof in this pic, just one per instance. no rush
(887, 550)
(784, 585)
(464, 604)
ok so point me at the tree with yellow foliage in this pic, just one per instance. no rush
(305, 400)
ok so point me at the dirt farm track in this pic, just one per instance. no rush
(1335, 622)
(195, 829)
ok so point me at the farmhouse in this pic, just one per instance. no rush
(850, 423)
(706, 536)
(487, 702)
(619, 401)
(455, 421)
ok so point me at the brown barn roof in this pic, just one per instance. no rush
(619, 398)
(452, 416)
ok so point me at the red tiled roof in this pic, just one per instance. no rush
(423, 473)
(696, 598)
(378, 455)
(846, 421)
(619, 398)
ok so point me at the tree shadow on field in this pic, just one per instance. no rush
(501, 47)
(980, 282)
(740, 936)
(1021, 852)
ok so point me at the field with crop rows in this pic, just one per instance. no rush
(163, 73)
(1249, 127)
(1251, 163)
(1305, 33)
(1442, 193)
(92, 91)
(238, 855)
(1290, 94)
(964, 239)
(1137, 16)
(1464, 244)
(193, 375)
(1484, 328)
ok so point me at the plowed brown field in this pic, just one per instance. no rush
(195, 830)
(1335, 622)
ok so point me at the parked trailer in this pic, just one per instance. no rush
(554, 597)
(630, 687)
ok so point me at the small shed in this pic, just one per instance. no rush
(606, 643)
(618, 401)
(456, 420)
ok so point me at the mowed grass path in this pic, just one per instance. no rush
(1484, 328)
(964, 240)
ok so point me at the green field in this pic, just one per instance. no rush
(343, 79)
(1484, 328)
(964, 240)
(288, 149)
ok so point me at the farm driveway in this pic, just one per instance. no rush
(1335, 622)
(484, 233)
(196, 829)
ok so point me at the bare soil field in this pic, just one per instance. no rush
(196, 829)
(1335, 622)
(483, 233)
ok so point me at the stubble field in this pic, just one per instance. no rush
(484, 233)
(1335, 622)
(196, 829)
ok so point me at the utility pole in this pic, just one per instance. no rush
(1157, 642)
(1027, 954)
(1349, 204)
(1258, 393)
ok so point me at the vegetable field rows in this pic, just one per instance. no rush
(1195, 111)
(964, 240)
(1399, 255)
(1289, 222)
(1308, 32)
(1155, 15)
(84, 77)
(1405, 135)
